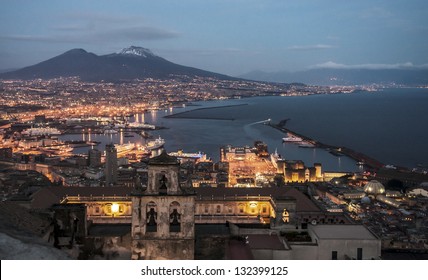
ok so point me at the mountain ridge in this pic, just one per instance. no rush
(128, 64)
(334, 76)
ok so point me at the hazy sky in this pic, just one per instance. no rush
(227, 36)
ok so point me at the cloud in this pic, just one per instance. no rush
(374, 66)
(311, 47)
(36, 38)
(136, 33)
(221, 51)
(73, 27)
(89, 27)
(208, 52)
(100, 17)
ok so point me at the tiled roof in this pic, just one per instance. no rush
(162, 159)
(88, 191)
(46, 197)
(303, 203)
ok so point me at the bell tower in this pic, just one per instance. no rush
(163, 216)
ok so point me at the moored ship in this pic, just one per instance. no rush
(40, 131)
(155, 144)
(57, 149)
(292, 138)
(201, 157)
(123, 148)
(141, 125)
(306, 145)
(110, 131)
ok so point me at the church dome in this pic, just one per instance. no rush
(365, 200)
(374, 187)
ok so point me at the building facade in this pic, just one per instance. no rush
(94, 158)
(163, 215)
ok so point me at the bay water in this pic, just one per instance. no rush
(390, 125)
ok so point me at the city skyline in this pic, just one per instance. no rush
(238, 130)
(228, 37)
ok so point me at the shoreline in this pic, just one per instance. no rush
(335, 150)
(180, 115)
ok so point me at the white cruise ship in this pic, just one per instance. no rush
(141, 125)
(155, 144)
(292, 138)
(40, 131)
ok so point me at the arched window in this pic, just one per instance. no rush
(163, 183)
(285, 216)
(264, 209)
(174, 217)
(241, 208)
(151, 217)
(230, 209)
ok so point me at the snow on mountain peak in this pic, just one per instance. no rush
(137, 51)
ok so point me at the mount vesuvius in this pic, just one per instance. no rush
(128, 64)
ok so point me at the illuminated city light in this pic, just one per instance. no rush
(115, 208)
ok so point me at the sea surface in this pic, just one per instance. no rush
(389, 125)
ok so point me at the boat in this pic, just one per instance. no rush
(336, 153)
(110, 131)
(58, 149)
(82, 143)
(141, 125)
(155, 144)
(306, 145)
(40, 131)
(123, 148)
(63, 148)
(119, 125)
(292, 138)
(196, 156)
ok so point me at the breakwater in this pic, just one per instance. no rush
(369, 162)
(191, 113)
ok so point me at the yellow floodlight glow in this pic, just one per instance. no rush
(115, 208)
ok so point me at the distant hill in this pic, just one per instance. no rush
(7, 70)
(130, 63)
(326, 76)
